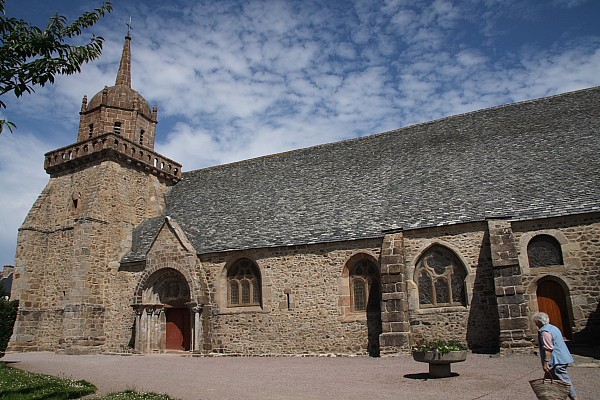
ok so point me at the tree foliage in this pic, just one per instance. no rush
(30, 56)
(8, 314)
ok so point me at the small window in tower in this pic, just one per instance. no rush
(91, 129)
(141, 136)
(75, 198)
(117, 128)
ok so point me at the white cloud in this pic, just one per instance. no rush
(22, 179)
(568, 3)
(235, 80)
(470, 57)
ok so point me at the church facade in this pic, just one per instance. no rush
(459, 228)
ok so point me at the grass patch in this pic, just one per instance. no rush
(16, 384)
(130, 395)
(21, 385)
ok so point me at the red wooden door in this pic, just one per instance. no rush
(551, 300)
(178, 329)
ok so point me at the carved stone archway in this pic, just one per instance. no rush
(166, 316)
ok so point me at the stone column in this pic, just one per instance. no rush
(158, 338)
(515, 333)
(148, 329)
(197, 329)
(394, 304)
(139, 311)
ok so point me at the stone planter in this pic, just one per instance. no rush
(439, 363)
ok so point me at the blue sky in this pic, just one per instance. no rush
(240, 79)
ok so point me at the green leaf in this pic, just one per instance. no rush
(30, 56)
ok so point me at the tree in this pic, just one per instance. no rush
(30, 56)
(8, 315)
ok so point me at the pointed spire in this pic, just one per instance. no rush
(124, 74)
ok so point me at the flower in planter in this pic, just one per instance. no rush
(440, 346)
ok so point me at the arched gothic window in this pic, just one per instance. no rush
(243, 280)
(364, 286)
(440, 279)
(543, 251)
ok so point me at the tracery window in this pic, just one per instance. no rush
(364, 286)
(543, 251)
(244, 284)
(440, 279)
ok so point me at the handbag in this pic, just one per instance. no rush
(550, 389)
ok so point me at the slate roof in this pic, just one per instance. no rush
(528, 160)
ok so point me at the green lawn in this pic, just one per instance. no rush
(20, 385)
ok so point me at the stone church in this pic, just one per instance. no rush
(459, 228)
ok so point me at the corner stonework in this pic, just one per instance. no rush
(394, 303)
(515, 334)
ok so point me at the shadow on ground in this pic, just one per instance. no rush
(425, 376)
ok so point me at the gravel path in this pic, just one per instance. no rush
(215, 378)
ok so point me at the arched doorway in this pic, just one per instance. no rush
(552, 300)
(165, 315)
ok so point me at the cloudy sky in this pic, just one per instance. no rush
(240, 79)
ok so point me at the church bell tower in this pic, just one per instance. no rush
(117, 120)
(74, 295)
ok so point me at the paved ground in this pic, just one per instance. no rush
(290, 378)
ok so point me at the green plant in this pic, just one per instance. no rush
(16, 384)
(440, 346)
(131, 395)
(8, 314)
(32, 56)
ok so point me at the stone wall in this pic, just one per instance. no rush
(318, 320)
(67, 278)
(579, 275)
(477, 323)
(315, 322)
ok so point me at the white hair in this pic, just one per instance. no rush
(541, 317)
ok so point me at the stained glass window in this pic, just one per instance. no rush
(440, 278)
(244, 284)
(245, 292)
(458, 286)
(442, 292)
(255, 292)
(425, 288)
(543, 251)
(360, 295)
(234, 293)
(364, 286)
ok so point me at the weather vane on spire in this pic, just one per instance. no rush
(129, 27)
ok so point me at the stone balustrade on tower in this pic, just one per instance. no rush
(111, 146)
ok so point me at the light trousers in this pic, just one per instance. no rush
(560, 372)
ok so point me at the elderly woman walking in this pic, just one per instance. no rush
(554, 353)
